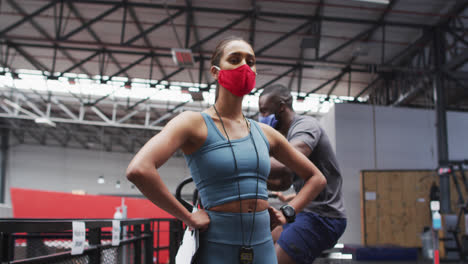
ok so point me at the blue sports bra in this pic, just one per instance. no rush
(213, 170)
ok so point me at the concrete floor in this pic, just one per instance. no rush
(348, 261)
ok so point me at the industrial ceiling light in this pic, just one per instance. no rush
(117, 185)
(44, 121)
(384, 2)
(101, 179)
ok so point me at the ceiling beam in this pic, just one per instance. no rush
(44, 33)
(406, 55)
(131, 65)
(221, 30)
(370, 85)
(152, 28)
(366, 34)
(275, 79)
(264, 14)
(27, 18)
(92, 21)
(336, 77)
(283, 37)
(29, 57)
(339, 64)
(147, 40)
(456, 62)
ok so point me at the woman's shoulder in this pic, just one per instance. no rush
(191, 115)
(267, 130)
(270, 133)
(192, 126)
(187, 120)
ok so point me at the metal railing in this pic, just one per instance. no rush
(50, 241)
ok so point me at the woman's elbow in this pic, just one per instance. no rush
(321, 181)
(135, 172)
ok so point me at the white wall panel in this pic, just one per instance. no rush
(328, 123)
(66, 169)
(354, 151)
(406, 138)
(457, 131)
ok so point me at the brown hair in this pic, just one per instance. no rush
(219, 52)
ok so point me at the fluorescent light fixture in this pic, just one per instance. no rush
(101, 180)
(384, 2)
(117, 185)
(44, 121)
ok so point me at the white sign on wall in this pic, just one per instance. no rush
(79, 237)
(115, 232)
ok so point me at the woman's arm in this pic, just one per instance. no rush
(314, 181)
(142, 170)
(280, 178)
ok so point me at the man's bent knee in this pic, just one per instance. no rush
(283, 257)
(276, 233)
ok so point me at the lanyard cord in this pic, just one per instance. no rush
(256, 189)
(236, 172)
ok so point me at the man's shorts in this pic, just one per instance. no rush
(306, 238)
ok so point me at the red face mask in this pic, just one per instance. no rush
(239, 81)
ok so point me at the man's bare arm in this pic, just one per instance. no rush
(281, 177)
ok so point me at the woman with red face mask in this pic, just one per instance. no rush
(229, 159)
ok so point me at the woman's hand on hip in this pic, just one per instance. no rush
(199, 220)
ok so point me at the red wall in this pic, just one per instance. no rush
(45, 204)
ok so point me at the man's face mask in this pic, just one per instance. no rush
(269, 120)
(273, 119)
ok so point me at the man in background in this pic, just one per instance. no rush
(319, 226)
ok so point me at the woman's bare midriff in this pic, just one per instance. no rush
(248, 206)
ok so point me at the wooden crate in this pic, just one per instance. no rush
(395, 206)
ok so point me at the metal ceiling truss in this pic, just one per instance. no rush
(188, 9)
(64, 108)
(399, 80)
(78, 136)
(120, 4)
(401, 88)
(364, 36)
(78, 122)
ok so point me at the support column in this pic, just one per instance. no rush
(5, 132)
(441, 117)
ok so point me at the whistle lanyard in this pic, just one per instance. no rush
(236, 172)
